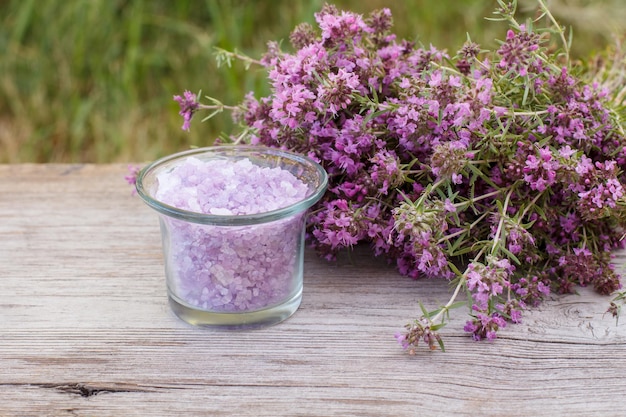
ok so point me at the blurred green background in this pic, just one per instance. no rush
(93, 80)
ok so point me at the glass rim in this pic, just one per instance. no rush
(233, 220)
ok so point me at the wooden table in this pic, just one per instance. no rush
(85, 329)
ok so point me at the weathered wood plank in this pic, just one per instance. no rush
(85, 329)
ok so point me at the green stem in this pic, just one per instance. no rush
(496, 238)
(220, 107)
(560, 30)
(225, 57)
(530, 113)
(460, 232)
(459, 285)
(532, 203)
(475, 199)
(445, 308)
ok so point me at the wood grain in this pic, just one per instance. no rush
(85, 329)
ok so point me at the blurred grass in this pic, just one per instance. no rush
(93, 80)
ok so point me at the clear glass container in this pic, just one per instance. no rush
(234, 271)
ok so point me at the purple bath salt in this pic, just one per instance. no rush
(225, 268)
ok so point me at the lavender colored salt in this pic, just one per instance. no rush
(230, 268)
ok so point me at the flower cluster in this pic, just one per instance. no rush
(501, 170)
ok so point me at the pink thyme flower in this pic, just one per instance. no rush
(188, 106)
(488, 158)
(131, 177)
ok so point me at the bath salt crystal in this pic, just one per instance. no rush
(232, 268)
(227, 187)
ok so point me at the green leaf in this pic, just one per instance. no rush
(424, 311)
(458, 242)
(526, 90)
(436, 327)
(454, 269)
(540, 212)
(433, 313)
(212, 114)
(478, 173)
(457, 305)
(510, 255)
(441, 346)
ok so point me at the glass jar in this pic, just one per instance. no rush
(227, 270)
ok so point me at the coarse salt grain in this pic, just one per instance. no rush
(227, 187)
(231, 268)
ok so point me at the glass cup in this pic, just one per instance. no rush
(234, 271)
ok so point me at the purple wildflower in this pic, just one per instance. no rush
(540, 170)
(449, 159)
(416, 332)
(517, 51)
(302, 35)
(335, 94)
(504, 161)
(188, 106)
(344, 26)
(131, 177)
(485, 326)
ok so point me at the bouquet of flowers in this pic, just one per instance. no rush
(500, 171)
